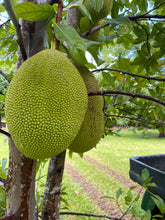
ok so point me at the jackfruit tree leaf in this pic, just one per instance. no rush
(115, 9)
(74, 5)
(85, 12)
(96, 4)
(1, 8)
(33, 12)
(76, 47)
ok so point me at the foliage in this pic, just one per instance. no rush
(130, 52)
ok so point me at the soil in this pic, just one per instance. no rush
(105, 205)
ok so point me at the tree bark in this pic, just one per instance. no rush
(20, 184)
(51, 202)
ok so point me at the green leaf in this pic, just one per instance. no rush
(145, 174)
(2, 198)
(107, 197)
(33, 12)
(85, 12)
(118, 193)
(96, 4)
(76, 47)
(115, 9)
(74, 5)
(1, 8)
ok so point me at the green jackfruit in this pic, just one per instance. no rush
(45, 104)
(93, 126)
(84, 24)
(107, 6)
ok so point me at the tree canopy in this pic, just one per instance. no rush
(128, 52)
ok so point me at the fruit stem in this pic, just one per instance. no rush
(55, 42)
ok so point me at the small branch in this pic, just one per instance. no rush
(153, 9)
(58, 20)
(132, 18)
(11, 14)
(4, 75)
(128, 73)
(137, 119)
(133, 95)
(5, 133)
(10, 217)
(94, 29)
(2, 180)
(147, 16)
(88, 215)
(5, 23)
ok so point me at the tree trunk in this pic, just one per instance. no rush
(51, 202)
(162, 133)
(20, 185)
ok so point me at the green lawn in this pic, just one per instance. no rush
(112, 151)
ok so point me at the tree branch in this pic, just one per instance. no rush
(4, 75)
(88, 215)
(132, 18)
(5, 133)
(129, 73)
(11, 14)
(5, 23)
(10, 217)
(133, 95)
(137, 119)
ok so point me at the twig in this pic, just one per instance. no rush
(137, 119)
(4, 75)
(129, 73)
(153, 9)
(88, 215)
(134, 95)
(2, 180)
(8, 7)
(58, 20)
(132, 18)
(131, 204)
(5, 133)
(4, 23)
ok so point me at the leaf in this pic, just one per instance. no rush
(76, 47)
(115, 9)
(145, 175)
(1, 8)
(74, 5)
(107, 197)
(85, 12)
(33, 12)
(118, 193)
(96, 4)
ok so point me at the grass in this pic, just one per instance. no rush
(114, 152)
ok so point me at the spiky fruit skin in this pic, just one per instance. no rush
(93, 125)
(45, 105)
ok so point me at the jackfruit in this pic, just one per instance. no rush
(84, 24)
(105, 10)
(92, 128)
(45, 104)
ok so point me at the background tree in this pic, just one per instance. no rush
(132, 42)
